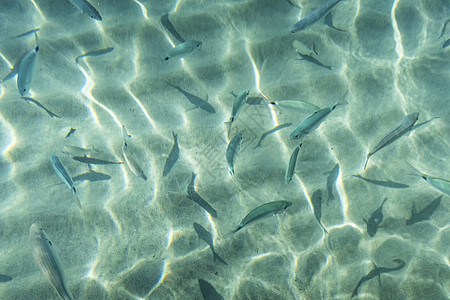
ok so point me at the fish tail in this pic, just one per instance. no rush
(216, 256)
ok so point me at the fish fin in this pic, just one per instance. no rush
(365, 221)
(233, 94)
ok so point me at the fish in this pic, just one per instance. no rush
(442, 185)
(446, 43)
(65, 177)
(51, 114)
(291, 166)
(205, 235)
(91, 176)
(329, 22)
(86, 8)
(129, 158)
(196, 101)
(331, 180)
(377, 271)
(302, 106)
(169, 27)
(425, 213)
(375, 219)
(194, 196)
(311, 123)
(405, 126)
(95, 161)
(94, 53)
(275, 129)
(72, 130)
(208, 291)
(313, 16)
(232, 150)
(263, 211)
(313, 60)
(173, 156)
(316, 201)
(47, 259)
(238, 104)
(183, 49)
(5, 278)
(385, 183)
(443, 28)
(77, 150)
(301, 47)
(26, 71)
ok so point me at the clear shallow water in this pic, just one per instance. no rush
(135, 239)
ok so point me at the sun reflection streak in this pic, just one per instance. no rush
(10, 145)
(139, 103)
(39, 10)
(86, 90)
(143, 9)
(400, 53)
(164, 274)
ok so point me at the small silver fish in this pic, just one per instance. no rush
(94, 53)
(129, 158)
(183, 49)
(26, 70)
(405, 126)
(263, 211)
(302, 106)
(95, 161)
(65, 177)
(291, 166)
(238, 104)
(48, 260)
(86, 8)
(232, 150)
(313, 16)
(311, 123)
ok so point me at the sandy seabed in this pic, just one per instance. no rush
(134, 239)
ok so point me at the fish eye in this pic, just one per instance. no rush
(167, 58)
(296, 136)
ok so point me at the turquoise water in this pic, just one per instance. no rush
(134, 238)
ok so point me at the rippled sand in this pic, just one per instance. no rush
(134, 239)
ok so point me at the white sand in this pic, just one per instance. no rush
(137, 239)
